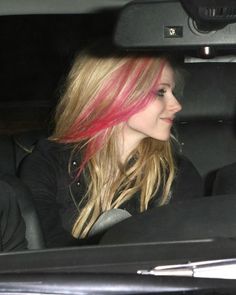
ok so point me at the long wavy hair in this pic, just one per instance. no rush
(101, 93)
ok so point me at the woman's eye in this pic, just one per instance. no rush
(161, 92)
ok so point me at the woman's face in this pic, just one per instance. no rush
(157, 118)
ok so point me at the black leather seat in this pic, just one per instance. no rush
(206, 125)
(12, 151)
(34, 234)
(7, 155)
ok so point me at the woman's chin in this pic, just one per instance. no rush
(164, 137)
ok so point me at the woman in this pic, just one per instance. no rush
(111, 148)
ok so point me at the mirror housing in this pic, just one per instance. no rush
(158, 25)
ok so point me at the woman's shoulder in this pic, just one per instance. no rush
(183, 162)
(50, 148)
(48, 145)
(188, 181)
(47, 154)
(47, 159)
(186, 168)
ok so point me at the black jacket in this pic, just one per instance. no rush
(56, 193)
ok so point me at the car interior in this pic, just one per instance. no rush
(39, 41)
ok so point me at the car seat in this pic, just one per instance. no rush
(34, 234)
(206, 125)
(13, 149)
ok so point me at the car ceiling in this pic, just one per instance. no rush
(18, 7)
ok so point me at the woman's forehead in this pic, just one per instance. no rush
(167, 76)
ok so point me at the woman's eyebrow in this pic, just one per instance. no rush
(168, 85)
(165, 84)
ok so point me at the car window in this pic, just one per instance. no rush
(39, 45)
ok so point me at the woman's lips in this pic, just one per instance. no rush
(168, 120)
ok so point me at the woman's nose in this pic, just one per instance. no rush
(174, 105)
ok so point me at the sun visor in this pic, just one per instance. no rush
(165, 25)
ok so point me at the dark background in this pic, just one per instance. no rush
(35, 55)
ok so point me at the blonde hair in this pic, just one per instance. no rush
(101, 93)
